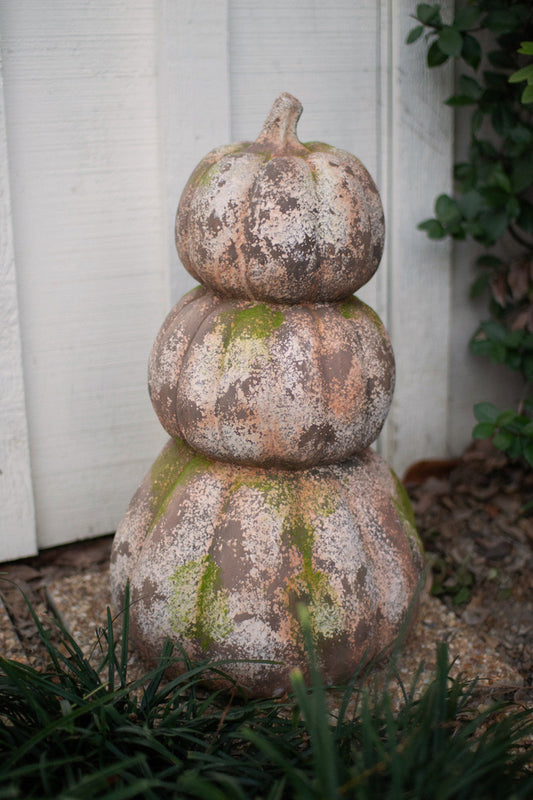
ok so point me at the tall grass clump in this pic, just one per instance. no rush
(74, 731)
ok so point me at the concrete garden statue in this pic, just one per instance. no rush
(272, 381)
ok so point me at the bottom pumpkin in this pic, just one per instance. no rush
(219, 556)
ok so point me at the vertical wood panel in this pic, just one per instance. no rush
(84, 155)
(194, 95)
(421, 139)
(327, 55)
(17, 521)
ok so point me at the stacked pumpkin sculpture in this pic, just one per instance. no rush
(272, 380)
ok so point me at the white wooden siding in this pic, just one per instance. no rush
(84, 162)
(17, 532)
(109, 106)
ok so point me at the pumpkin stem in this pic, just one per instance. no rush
(279, 131)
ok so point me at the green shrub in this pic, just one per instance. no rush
(493, 187)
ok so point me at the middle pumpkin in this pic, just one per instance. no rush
(272, 385)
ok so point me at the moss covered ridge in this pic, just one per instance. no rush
(176, 465)
(199, 607)
(406, 514)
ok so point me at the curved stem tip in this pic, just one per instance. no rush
(278, 134)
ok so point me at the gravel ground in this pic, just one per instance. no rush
(479, 551)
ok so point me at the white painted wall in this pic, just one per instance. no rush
(109, 105)
(16, 495)
(84, 156)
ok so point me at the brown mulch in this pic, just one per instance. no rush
(478, 534)
(30, 577)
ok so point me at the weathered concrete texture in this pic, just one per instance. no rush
(219, 556)
(280, 221)
(272, 385)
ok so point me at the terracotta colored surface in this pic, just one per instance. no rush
(273, 381)
(279, 220)
(219, 556)
(288, 386)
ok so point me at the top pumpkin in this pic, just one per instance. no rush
(278, 220)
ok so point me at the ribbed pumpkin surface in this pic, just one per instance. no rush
(262, 384)
(278, 220)
(219, 557)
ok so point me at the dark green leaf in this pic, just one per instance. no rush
(527, 430)
(500, 20)
(520, 135)
(522, 173)
(527, 345)
(414, 34)
(458, 100)
(528, 368)
(513, 360)
(525, 218)
(496, 81)
(433, 228)
(475, 229)
(471, 204)
(435, 56)
(498, 353)
(465, 173)
(463, 596)
(486, 412)
(428, 14)
(514, 338)
(503, 120)
(500, 178)
(495, 197)
(466, 17)
(506, 417)
(489, 261)
(503, 440)
(483, 430)
(501, 59)
(512, 207)
(481, 347)
(477, 121)
(494, 224)
(470, 87)
(450, 41)
(447, 210)
(494, 331)
(482, 147)
(471, 51)
(528, 452)
(516, 449)
(479, 285)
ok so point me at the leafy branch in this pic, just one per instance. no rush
(493, 195)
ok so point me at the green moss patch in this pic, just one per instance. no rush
(255, 322)
(199, 607)
(175, 466)
(405, 511)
